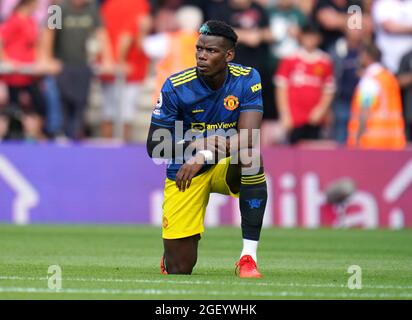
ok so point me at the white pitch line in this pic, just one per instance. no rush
(207, 282)
(197, 292)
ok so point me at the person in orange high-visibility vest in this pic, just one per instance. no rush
(376, 118)
(173, 51)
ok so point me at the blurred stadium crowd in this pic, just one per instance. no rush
(99, 75)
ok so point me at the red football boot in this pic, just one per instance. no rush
(246, 268)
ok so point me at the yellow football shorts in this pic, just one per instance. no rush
(184, 212)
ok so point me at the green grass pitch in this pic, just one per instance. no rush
(121, 262)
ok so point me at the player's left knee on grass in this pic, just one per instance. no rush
(181, 255)
(184, 267)
(253, 196)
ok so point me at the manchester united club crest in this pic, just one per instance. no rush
(319, 70)
(231, 103)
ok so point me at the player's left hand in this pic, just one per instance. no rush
(187, 171)
(316, 116)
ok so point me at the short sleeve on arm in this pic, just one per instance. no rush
(252, 93)
(166, 110)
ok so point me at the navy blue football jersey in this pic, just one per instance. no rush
(185, 97)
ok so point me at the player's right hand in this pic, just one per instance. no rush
(188, 170)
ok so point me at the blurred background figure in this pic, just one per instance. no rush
(306, 6)
(405, 81)
(251, 23)
(11, 127)
(393, 26)
(32, 127)
(101, 73)
(286, 21)
(393, 21)
(19, 51)
(345, 56)
(81, 23)
(305, 88)
(332, 17)
(164, 19)
(376, 117)
(174, 51)
(54, 119)
(39, 14)
(127, 25)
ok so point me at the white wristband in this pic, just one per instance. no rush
(207, 154)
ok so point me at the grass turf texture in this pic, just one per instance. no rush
(121, 262)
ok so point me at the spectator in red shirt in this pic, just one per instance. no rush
(127, 24)
(305, 88)
(19, 40)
